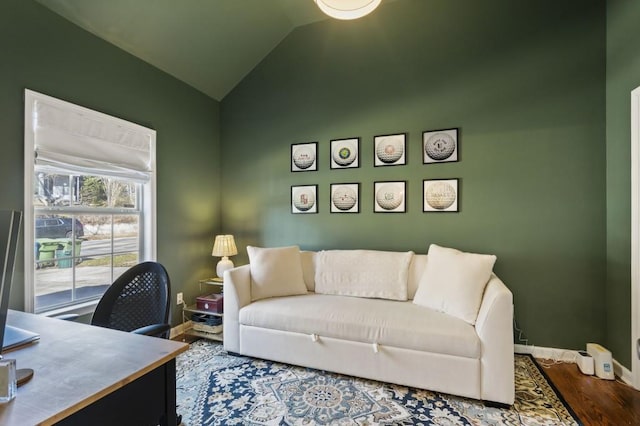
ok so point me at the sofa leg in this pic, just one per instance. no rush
(494, 404)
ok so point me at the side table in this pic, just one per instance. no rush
(212, 285)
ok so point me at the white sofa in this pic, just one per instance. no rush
(395, 317)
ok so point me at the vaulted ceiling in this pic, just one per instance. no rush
(209, 44)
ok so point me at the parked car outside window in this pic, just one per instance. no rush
(58, 227)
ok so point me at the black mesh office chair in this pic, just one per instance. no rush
(137, 302)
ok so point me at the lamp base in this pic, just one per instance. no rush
(223, 265)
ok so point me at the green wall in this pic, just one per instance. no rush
(623, 75)
(43, 52)
(524, 82)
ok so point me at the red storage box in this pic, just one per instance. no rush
(211, 303)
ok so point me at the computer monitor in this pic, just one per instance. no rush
(9, 234)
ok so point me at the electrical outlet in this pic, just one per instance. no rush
(179, 299)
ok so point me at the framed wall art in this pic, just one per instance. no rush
(345, 153)
(441, 195)
(304, 157)
(440, 146)
(390, 150)
(389, 197)
(304, 199)
(345, 198)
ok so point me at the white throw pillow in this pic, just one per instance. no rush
(275, 272)
(308, 260)
(363, 273)
(453, 282)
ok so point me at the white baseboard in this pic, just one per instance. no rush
(623, 372)
(564, 355)
(179, 329)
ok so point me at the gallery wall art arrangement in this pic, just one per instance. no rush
(438, 195)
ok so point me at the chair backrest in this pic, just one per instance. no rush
(138, 298)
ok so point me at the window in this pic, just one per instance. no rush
(90, 213)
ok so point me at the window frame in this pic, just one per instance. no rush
(148, 203)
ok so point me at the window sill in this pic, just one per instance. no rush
(81, 309)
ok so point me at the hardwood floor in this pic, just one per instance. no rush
(595, 401)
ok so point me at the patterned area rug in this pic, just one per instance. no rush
(214, 388)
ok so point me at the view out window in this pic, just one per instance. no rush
(87, 233)
(90, 215)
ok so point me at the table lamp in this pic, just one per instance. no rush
(224, 246)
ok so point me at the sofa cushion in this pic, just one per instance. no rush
(453, 282)
(308, 259)
(386, 322)
(416, 269)
(363, 273)
(275, 272)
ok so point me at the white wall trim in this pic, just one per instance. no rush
(563, 355)
(635, 235)
(179, 329)
(623, 372)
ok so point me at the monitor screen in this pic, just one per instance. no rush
(9, 233)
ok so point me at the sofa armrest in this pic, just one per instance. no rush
(237, 294)
(494, 327)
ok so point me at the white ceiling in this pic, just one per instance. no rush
(209, 44)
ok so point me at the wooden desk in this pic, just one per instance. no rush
(87, 375)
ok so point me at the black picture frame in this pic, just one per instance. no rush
(304, 199)
(390, 196)
(344, 153)
(441, 195)
(345, 197)
(440, 146)
(390, 150)
(304, 157)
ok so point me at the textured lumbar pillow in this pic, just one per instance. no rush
(275, 272)
(363, 273)
(453, 282)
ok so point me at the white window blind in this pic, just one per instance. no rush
(75, 138)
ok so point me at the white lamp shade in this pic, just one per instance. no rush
(347, 9)
(224, 246)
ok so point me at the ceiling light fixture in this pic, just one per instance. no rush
(347, 9)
